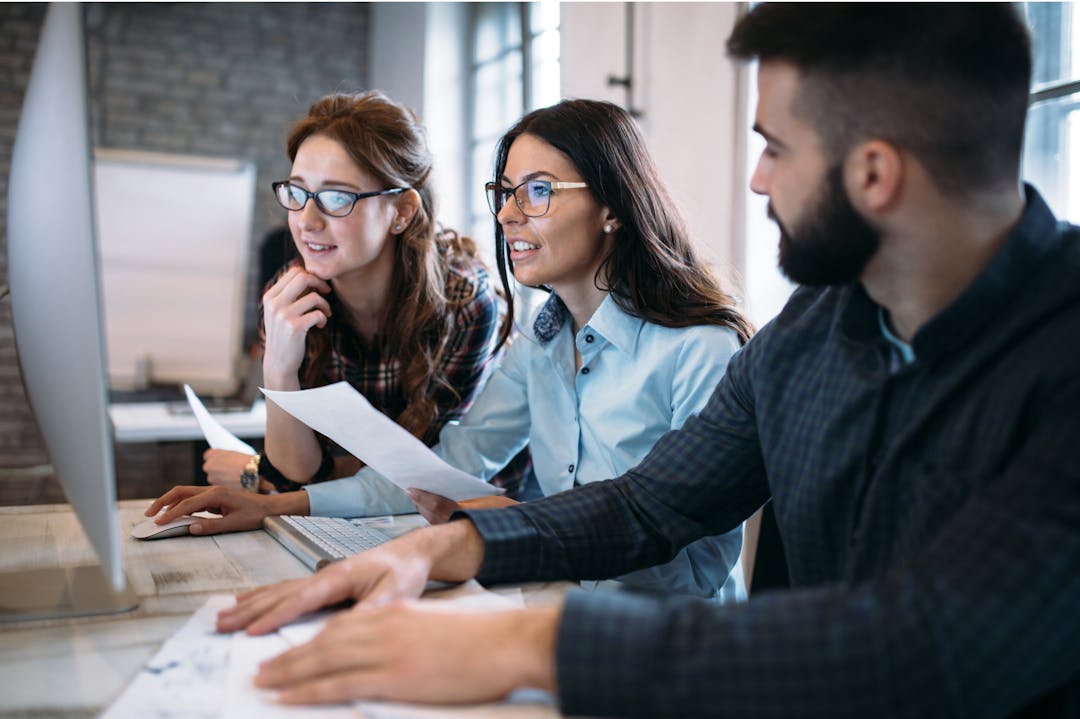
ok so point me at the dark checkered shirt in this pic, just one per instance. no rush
(930, 515)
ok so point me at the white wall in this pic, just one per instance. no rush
(693, 102)
(398, 38)
(418, 58)
(690, 96)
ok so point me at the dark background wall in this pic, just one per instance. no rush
(213, 79)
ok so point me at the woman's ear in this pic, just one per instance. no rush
(611, 223)
(406, 207)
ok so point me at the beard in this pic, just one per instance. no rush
(832, 243)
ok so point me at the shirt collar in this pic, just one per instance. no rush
(903, 350)
(612, 323)
(988, 298)
(983, 302)
(609, 321)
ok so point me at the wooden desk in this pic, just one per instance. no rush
(76, 668)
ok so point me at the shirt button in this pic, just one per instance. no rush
(589, 338)
(570, 469)
(584, 370)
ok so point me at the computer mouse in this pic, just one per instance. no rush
(146, 529)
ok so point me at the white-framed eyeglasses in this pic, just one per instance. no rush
(533, 197)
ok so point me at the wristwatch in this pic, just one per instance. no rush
(249, 478)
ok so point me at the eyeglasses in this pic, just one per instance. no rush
(335, 203)
(533, 197)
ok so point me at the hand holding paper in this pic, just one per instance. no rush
(345, 416)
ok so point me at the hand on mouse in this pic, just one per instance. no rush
(240, 510)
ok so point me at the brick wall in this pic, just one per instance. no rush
(215, 79)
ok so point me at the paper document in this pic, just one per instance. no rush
(186, 678)
(216, 436)
(200, 674)
(345, 416)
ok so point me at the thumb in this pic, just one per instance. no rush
(228, 523)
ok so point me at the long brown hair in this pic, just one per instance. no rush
(653, 271)
(387, 140)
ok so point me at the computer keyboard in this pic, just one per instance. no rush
(317, 541)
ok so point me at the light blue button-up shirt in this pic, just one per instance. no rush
(637, 380)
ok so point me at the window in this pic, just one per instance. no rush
(766, 288)
(1051, 149)
(1052, 143)
(513, 68)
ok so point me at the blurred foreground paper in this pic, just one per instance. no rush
(345, 416)
(216, 436)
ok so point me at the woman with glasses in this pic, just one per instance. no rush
(381, 297)
(634, 336)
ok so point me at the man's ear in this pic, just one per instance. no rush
(874, 176)
(408, 203)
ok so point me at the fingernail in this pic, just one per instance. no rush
(195, 529)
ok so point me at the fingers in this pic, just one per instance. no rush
(492, 502)
(228, 523)
(341, 687)
(435, 508)
(241, 510)
(294, 282)
(330, 668)
(169, 499)
(254, 604)
(264, 610)
(189, 502)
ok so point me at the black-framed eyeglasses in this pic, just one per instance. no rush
(335, 203)
(533, 197)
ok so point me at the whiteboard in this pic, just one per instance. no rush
(174, 233)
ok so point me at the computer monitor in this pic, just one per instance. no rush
(55, 304)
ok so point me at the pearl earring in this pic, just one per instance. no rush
(607, 228)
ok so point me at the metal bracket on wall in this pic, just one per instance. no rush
(627, 80)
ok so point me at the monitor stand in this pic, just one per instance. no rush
(61, 592)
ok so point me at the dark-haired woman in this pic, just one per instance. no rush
(632, 340)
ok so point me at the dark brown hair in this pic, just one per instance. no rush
(387, 140)
(653, 271)
(947, 82)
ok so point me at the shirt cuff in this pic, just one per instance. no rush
(605, 654)
(510, 548)
(366, 494)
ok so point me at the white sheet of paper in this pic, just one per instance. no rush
(216, 436)
(200, 674)
(345, 416)
(245, 701)
(186, 678)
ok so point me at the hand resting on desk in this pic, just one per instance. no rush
(410, 651)
(387, 647)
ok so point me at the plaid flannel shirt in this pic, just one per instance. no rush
(930, 514)
(465, 361)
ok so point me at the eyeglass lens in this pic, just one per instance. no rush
(533, 197)
(332, 202)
